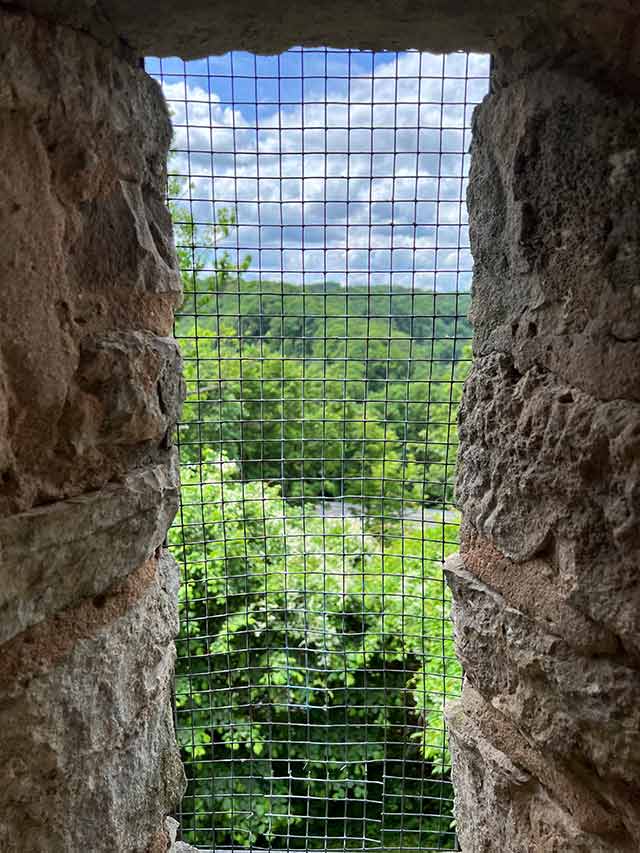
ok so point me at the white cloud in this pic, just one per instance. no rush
(372, 168)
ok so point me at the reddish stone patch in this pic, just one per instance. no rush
(533, 587)
(44, 645)
(159, 842)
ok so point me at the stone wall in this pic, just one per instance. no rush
(89, 394)
(546, 590)
(546, 587)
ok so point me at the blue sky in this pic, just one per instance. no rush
(340, 165)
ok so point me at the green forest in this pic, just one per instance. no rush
(315, 649)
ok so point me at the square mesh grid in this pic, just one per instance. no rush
(318, 205)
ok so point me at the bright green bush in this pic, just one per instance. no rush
(293, 627)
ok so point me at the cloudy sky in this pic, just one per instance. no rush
(346, 166)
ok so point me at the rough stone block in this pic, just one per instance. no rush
(500, 805)
(54, 556)
(88, 265)
(598, 36)
(580, 711)
(547, 594)
(129, 390)
(547, 471)
(554, 205)
(86, 731)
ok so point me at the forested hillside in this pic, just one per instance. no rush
(332, 393)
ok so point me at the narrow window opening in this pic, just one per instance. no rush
(318, 204)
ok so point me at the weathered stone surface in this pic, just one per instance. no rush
(129, 391)
(547, 470)
(534, 588)
(500, 805)
(55, 555)
(90, 391)
(547, 589)
(582, 709)
(550, 449)
(554, 198)
(604, 29)
(171, 828)
(86, 733)
(89, 273)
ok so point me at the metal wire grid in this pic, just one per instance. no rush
(318, 201)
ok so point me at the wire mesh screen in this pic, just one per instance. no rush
(317, 199)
